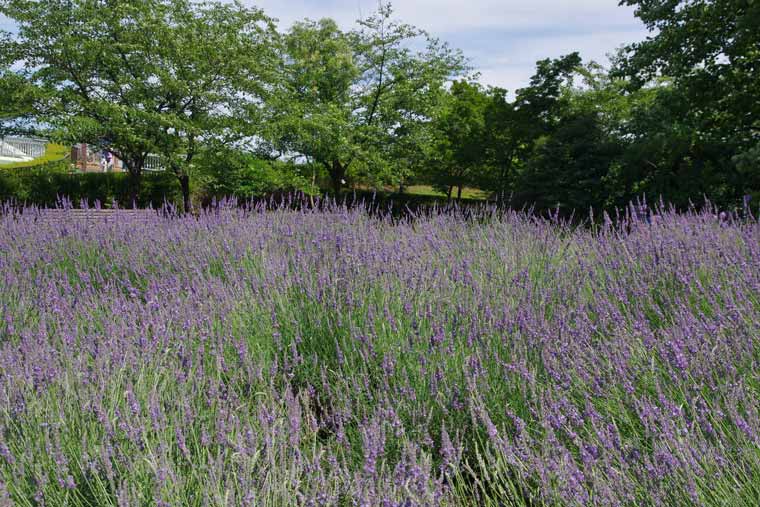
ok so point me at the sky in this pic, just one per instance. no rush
(502, 38)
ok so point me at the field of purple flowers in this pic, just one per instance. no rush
(335, 358)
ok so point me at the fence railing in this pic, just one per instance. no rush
(22, 147)
(91, 158)
(153, 163)
(28, 148)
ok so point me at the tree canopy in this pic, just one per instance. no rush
(223, 96)
(161, 77)
(710, 52)
(349, 100)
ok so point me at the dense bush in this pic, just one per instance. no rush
(227, 173)
(46, 185)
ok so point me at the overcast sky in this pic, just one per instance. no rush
(502, 38)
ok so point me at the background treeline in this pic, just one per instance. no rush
(235, 105)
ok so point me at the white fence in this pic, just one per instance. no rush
(22, 148)
(153, 163)
(92, 158)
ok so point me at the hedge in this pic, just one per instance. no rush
(45, 186)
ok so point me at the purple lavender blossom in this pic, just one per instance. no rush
(249, 356)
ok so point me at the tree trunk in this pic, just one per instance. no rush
(184, 183)
(502, 185)
(448, 194)
(459, 193)
(134, 167)
(135, 178)
(337, 174)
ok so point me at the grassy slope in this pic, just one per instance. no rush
(53, 153)
(467, 193)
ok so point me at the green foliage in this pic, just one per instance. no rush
(568, 169)
(602, 140)
(46, 186)
(354, 102)
(666, 156)
(248, 177)
(215, 90)
(160, 76)
(17, 96)
(263, 177)
(710, 51)
(504, 141)
(539, 106)
(748, 166)
(458, 149)
(484, 140)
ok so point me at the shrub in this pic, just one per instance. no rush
(45, 186)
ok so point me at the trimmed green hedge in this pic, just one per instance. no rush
(45, 186)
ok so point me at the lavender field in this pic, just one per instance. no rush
(334, 358)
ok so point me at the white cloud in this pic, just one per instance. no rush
(503, 38)
(513, 67)
(346, 12)
(453, 15)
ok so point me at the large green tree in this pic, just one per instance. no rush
(505, 140)
(164, 77)
(458, 154)
(345, 98)
(540, 104)
(485, 140)
(710, 52)
(16, 104)
(16, 95)
(512, 130)
(569, 168)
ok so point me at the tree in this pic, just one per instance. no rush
(539, 106)
(569, 168)
(505, 141)
(16, 104)
(512, 130)
(616, 112)
(162, 77)
(344, 98)
(458, 146)
(408, 157)
(710, 51)
(16, 94)
(665, 156)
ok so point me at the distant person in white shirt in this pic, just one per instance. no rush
(106, 161)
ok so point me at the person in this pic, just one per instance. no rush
(103, 162)
(109, 161)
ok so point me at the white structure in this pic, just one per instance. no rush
(21, 149)
(153, 163)
(90, 158)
